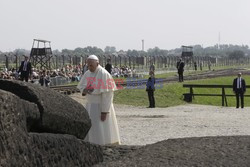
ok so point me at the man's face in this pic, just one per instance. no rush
(239, 75)
(26, 58)
(92, 64)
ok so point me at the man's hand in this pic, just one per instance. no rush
(88, 90)
(103, 116)
(83, 93)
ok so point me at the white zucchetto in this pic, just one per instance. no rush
(93, 57)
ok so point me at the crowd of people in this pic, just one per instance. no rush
(124, 71)
(44, 77)
(116, 72)
(71, 73)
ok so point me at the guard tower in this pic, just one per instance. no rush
(187, 52)
(41, 54)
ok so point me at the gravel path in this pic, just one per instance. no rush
(141, 125)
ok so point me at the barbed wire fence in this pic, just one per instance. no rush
(139, 63)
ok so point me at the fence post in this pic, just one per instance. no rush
(16, 62)
(223, 96)
(120, 60)
(192, 92)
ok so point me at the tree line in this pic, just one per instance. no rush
(225, 50)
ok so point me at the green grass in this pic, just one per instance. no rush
(171, 74)
(168, 95)
(171, 94)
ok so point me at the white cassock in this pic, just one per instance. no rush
(101, 100)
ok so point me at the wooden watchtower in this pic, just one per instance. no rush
(41, 54)
(187, 54)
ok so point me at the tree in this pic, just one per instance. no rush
(236, 54)
(79, 51)
(107, 49)
(67, 52)
(110, 49)
(89, 50)
(21, 52)
(56, 52)
(154, 52)
(134, 53)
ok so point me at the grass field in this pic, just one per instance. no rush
(171, 94)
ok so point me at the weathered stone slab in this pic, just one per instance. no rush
(14, 138)
(64, 150)
(58, 113)
(203, 151)
(18, 147)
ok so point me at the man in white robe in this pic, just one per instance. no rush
(98, 86)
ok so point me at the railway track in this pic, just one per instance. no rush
(69, 89)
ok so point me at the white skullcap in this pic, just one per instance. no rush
(93, 57)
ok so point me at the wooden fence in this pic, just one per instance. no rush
(189, 96)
